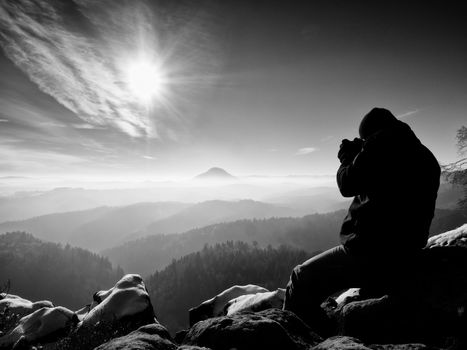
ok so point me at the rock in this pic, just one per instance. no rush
(127, 300)
(348, 296)
(268, 329)
(216, 306)
(453, 238)
(401, 347)
(341, 343)
(149, 337)
(180, 335)
(444, 281)
(45, 323)
(349, 343)
(389, 320)
(20, 306)
(114, 313)
(256, 302)
(13, 308)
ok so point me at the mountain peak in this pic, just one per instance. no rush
(215, 173)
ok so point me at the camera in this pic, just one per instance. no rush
(355, 144)
(349, 149)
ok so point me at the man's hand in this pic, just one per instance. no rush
(349, 149)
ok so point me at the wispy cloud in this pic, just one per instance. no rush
(82, 72)
(327, 138)
(4, 120)
(86, 126)
(408, 114)
(305, 150)
(149, 157)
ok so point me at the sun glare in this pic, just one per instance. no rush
(146, 80)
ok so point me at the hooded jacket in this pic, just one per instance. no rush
(394, 180)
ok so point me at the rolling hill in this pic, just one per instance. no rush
(105, 227)
(38, 270)
(96, 228)
(311, 233)
(211, 212)
(316, 232)
(112, 227)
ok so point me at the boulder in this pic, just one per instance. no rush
(349, 343)
(19, 306)
(148, 337)
(402, 347)
(127, 300)
(453, 238)
(390, 320)
(444, 278)
(256, 302)
(45, 324)
(341, 343)
(114, 313)
(217, 305)
(13, 308)
(268, 329)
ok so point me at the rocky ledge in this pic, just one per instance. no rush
(427, 312)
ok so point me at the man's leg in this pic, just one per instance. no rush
(318, 278)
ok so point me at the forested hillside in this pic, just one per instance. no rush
(310, 233)
(194, 278)
(39, 270)
(447, 219)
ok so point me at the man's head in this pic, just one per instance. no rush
(377, 119)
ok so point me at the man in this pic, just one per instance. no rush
(394, 180)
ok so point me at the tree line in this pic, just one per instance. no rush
(196, 277)
(65, 275)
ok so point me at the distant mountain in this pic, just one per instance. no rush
(211, 212)
(203, 274)
(311, 233)
(96, 228)
(113, 227)
(60, 200)
(105, 227)
(38, 270)
(55, 227)
(215, 174)
(295, 195)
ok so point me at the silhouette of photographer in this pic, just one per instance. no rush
(394, 180)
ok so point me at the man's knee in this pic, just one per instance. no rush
(290, 291)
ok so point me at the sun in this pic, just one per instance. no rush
(146, 80)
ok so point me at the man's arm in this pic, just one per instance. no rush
(352, 171)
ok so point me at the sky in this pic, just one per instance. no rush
(255, 87)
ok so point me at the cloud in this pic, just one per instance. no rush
(408, 114)
(86, 126)
(149, 157)
(52, 124)
(305, 150)
(80, 70)
(4, 120)
(16, 159)
(327, 138)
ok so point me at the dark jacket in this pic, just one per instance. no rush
(395, 180)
